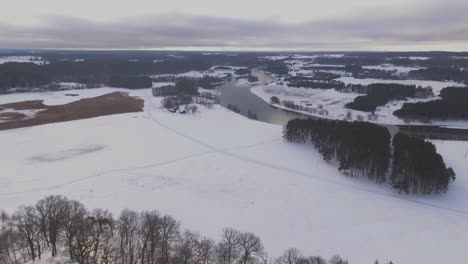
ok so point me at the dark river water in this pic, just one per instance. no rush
(240, 96)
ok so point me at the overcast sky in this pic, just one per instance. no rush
(235, 25)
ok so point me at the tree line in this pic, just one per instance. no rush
(321, 82)
(59, 227)
(418, 168)
(380, 94)
(94, 70)
(452, 105)
(363, 151)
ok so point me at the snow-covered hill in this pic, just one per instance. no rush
(217, 169)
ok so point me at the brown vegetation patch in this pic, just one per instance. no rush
(108, 104)
(11, 116)
(26, 105)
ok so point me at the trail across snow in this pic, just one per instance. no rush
(217, 169)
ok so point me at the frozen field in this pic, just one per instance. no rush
(218, 169)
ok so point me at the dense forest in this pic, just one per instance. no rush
(441, 74)
(363, 150)
(320, 82)
(453, 105)
(107, 72)
(56, 227)
(131, 82)
(276, 67)
(418, 168)
(380, 94)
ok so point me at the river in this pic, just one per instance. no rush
(239, 95)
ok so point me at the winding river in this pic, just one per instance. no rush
(239, 95)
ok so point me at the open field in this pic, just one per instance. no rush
(216, 169)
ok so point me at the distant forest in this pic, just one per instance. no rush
(363, 150)
(380, 94)
(119, 69)
(109, 72)
(453, 105)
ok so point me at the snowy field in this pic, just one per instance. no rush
(216, 169)
(391, 67)
(212, 72)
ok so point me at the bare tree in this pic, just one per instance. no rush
(7, 238)
(185, 248)
(26, 222)
(102, 231)
(127, 226)
(205, 251)
(337, 260)
(290, 256)
(170, 230)
(74, 217)
(228, 248)
(51, 212)
(150, 236)
(317, 260)
(251, 247)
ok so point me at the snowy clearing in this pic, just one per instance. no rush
(391, 67)
(23, 59)
(331, 104)
(216, 169)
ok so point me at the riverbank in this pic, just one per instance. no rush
(331, 104)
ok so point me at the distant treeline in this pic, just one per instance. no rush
(363, 150)
(66, 230)
(453, 105)
(92, 71)
(276, 67)
(320, 82)
(131, 82)
(441, 74)
(380, 94)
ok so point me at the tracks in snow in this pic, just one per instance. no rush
(293, 171)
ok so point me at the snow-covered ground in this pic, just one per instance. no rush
(161, 84)
(212, 72)
(216, 169)
(391, 67)
(331, 104)
(416, 58)
(23, 59)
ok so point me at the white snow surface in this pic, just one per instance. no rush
(216, 169)
(161, 84)
(391, 67)
(334, 103)
(23, 59)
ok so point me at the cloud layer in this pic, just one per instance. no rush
(444, 26)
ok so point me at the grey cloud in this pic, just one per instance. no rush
(446, 24)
